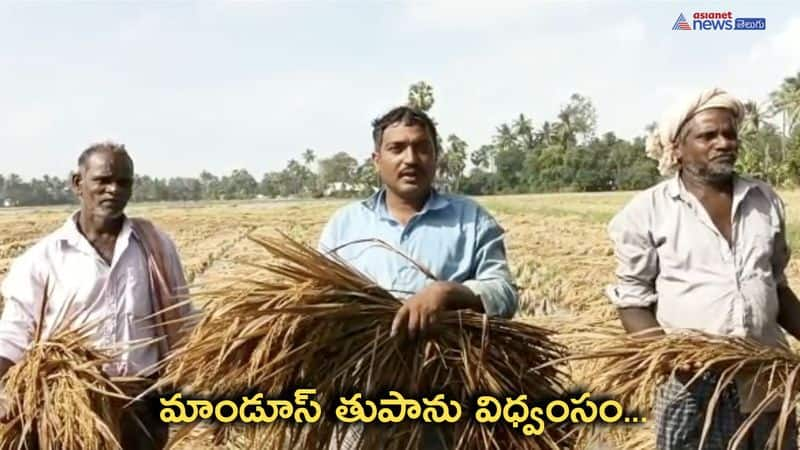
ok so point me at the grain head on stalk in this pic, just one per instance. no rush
(58, 396)
(706, 249)
(117, 281)
(632, 368)
(306, 317)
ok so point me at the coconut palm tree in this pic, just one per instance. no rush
(545, 134)
(563, 129)
(482, 157)
(578, 117)
(309, 156)
(786, 102)
(505, 137)
(523, 129)
(457, 160)
(755, 117)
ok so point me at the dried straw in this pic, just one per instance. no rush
(633, 366)
(307, 318)
(58, 396)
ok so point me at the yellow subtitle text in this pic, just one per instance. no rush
(515, 411)
(251, 409)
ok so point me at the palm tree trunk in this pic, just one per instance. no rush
(783, 136)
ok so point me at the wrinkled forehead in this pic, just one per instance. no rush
(108, 163)
(712, 117)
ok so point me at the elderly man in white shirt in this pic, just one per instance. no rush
(106, 269)
(706, 250)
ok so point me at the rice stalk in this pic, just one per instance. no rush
(58, 396)
(632, 367)
(304, 318)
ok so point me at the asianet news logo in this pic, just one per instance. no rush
(719, 21)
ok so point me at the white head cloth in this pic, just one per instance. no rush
(661, 144)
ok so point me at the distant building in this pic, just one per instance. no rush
(341, 187)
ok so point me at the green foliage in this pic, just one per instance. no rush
(561, 154)
(479, 182)
(45, 191)
(420, 96)
(340, 168)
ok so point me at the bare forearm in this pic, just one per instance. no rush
(635, 320)
(789, 312)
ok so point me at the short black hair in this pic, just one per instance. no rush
(107, 146)
(405, 115)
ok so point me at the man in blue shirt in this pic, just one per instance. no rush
(453, 237)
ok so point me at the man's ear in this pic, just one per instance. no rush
(678, 145)
(376, 159)
(77, 179)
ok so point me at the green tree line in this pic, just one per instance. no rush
(563, 153)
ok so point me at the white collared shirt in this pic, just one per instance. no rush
(670, 254)
(114, 298)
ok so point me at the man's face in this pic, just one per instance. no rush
(105, 184)
(710, 147)
(406, 160)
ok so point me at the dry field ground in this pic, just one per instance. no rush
(557, 247)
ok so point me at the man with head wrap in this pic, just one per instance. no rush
(706, 250)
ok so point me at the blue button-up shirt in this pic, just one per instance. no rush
(452, 237)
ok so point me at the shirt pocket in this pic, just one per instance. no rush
(758, 281)
(137, 294)
(680, 252)
(455, 256)
(758, 251)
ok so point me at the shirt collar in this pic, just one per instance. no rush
(675, 186)
(70, 234)
(377, 203)
(741, 186)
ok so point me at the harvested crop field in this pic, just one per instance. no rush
(557, 246)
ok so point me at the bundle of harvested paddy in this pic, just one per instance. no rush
(58, 397)
(308, 319)
(580, 334)
(633, 367)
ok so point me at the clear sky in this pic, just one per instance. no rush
(189, 86)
